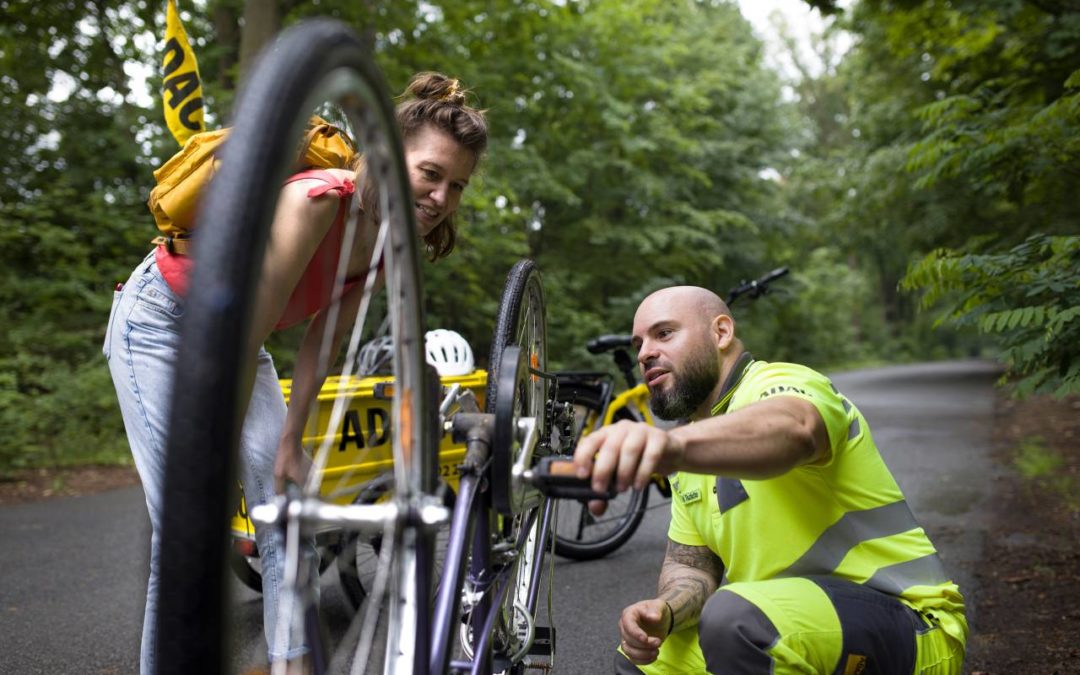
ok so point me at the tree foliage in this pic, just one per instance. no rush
(993, 152)
(620, 131)
(634, 144)
(1027, 296)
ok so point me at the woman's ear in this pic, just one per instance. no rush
(723, 328)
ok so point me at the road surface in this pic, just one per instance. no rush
(73, 569)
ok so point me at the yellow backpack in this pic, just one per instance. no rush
(174, 199)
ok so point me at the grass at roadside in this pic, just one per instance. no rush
(1047, 468)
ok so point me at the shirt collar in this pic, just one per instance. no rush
(734, 378)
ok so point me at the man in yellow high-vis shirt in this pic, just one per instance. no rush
(791, 548)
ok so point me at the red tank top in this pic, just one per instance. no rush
(315, 288)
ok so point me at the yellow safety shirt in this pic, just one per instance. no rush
(843, 516)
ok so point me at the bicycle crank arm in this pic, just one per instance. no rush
(557, 477)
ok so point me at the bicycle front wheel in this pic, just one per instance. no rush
(518, 389)
(313, 67)
(522, 322)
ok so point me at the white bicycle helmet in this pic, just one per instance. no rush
(449, 352)
(376, 357)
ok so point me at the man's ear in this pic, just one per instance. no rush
(723, 328)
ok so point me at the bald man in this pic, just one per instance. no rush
(791, 548)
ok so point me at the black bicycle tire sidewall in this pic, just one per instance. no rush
(193, 631)
(523, 285)
(521, 275)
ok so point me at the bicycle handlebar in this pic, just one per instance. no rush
(556, 476)
(605, 343)
(757, 287)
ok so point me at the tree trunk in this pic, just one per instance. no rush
(225, 33)
(262, 20)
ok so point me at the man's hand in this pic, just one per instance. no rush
(643, 627)
(290, 465)
(628, 453)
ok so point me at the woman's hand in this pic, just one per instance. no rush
(291, 465)
(643, 627)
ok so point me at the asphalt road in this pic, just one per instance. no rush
(73, 569)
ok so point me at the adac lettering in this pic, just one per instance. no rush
(377, 429)
(181, 85)
(782, 389)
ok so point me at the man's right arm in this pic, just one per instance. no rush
(688, 578)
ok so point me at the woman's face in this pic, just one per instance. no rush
(439, 170)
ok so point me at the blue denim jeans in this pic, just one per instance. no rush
(141, 343)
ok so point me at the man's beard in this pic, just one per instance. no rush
(689, 390)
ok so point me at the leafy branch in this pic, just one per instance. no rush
(1027, 296)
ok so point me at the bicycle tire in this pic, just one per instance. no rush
(521, 308)
(578, 534)
(521, 322)
(279, 96)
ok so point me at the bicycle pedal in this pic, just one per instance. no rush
(543, 642)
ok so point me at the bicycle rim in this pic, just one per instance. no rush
(290, 81)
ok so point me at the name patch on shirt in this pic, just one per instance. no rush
(691, 497)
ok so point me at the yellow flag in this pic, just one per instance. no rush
(181, 88)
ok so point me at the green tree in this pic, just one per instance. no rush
(1028, 296)
(992, 160)
(71, 206)
(628, 144)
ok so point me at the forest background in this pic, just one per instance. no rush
(921, 184)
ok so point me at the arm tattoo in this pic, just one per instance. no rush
(689, 576)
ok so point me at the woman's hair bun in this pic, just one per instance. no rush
(436, 87)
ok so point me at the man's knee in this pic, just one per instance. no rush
(735, 635)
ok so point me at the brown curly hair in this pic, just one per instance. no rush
(435, 99)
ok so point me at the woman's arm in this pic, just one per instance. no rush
(291, 463)
(300, 224)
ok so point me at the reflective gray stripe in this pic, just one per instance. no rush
(924, 571)
(730, 492)
(854, 429)
(736, 635)
(851, 530)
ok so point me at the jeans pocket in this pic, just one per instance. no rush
(106, 348)
(160, 301)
